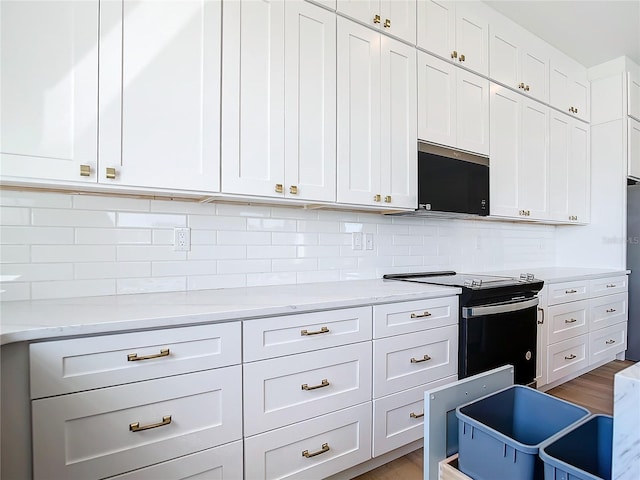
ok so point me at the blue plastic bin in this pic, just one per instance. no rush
(583, 452)
(499, 435)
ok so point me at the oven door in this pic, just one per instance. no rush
(498, 334)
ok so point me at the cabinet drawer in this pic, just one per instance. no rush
(285, 390)
(66, 366)
(608, 286)
(289, 334)
(568, 292)
(224, 463)
(398, 419)
(407, 317)
(567, 357)
(607, 342)
(333, 443)
(608, 310)
(406, 361)
(567, 320)
(89, 435)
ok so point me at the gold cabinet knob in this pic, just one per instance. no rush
(376, 19)
(85, 170)
(279, 188)
(575, 110)
(454, 54)
(387, 23)
(111, 173)
(377, 198)
(521, 85)
(526, 88)
(462, 58)
(293, 189)
(387, 199)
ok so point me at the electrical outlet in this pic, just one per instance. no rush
(368, 241)
(182, 239)
(356, 241)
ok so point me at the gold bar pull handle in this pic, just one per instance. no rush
(570, 357)
(387, 23)
(376, 19)
(421, 315)
(454, 54)
(571, 320)
(377, 197)
(316, 332)
(423, 359)
(279, 188)
(85, 170)
(293, 189)
(133, 357)
(571, 291)
(135, 427)
(611, 285)
(111, 173)
(416, 415)
(610, 310)
(387, 199)
(610, 342)
(462, 58)
(325, 448)
(324, 383)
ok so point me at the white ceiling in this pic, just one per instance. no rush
(590, 31)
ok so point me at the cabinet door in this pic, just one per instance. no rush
(310, 102)
(559, 91)
(559, 165)
(634, 148)
(398, 124)
(505, 148)
(49, 94)
(253, 98)
(504, 58)
(160, 93)
(472, 41)
(472, 117)
(579, 185)
(436, 100)
(535, 74)
(533, 160)
(633, 95)
(364, 11)
(580, 95)
(436, 27)
(358, 114)
(569, 88)
(402, 18)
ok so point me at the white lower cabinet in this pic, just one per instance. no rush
(607, 341)
(117, 429)
(217, 463)
(315, 448)
(568, 356)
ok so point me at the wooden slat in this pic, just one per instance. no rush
(593, 390)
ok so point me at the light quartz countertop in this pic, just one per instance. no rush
(562, 274)
(46, 319)
(626, 424)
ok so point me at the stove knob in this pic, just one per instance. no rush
(530, 277)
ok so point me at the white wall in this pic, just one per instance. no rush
(55, 245)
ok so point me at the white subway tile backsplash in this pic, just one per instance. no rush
(63, 245)
(51, 217)
(73, 253)
(36, 235)
(151, 220)
(112, 236)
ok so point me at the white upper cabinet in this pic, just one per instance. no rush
(569, 87)
(517, 60)
(453, 105)
(160, 94)
(377, 151)
(633, 139)
(569, 167)
(48, 99)
(519, 156)
(633, 95)
(278, 102)
(393, 17)
(454, 32)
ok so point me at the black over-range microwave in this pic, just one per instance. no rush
(452, 181)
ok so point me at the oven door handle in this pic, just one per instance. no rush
(470, 312)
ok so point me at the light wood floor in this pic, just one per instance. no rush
(593, 390)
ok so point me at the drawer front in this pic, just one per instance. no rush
(66, 366)
(609, 310)
(406, 361)
(607, 342)
(398, 419)
(567, 357)
(219, 463)
(608, 286)
(284, 390)
(290, 334)
(89, 435)
(332, 443)
(407, 317)
(567, 320)
(567, 292)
